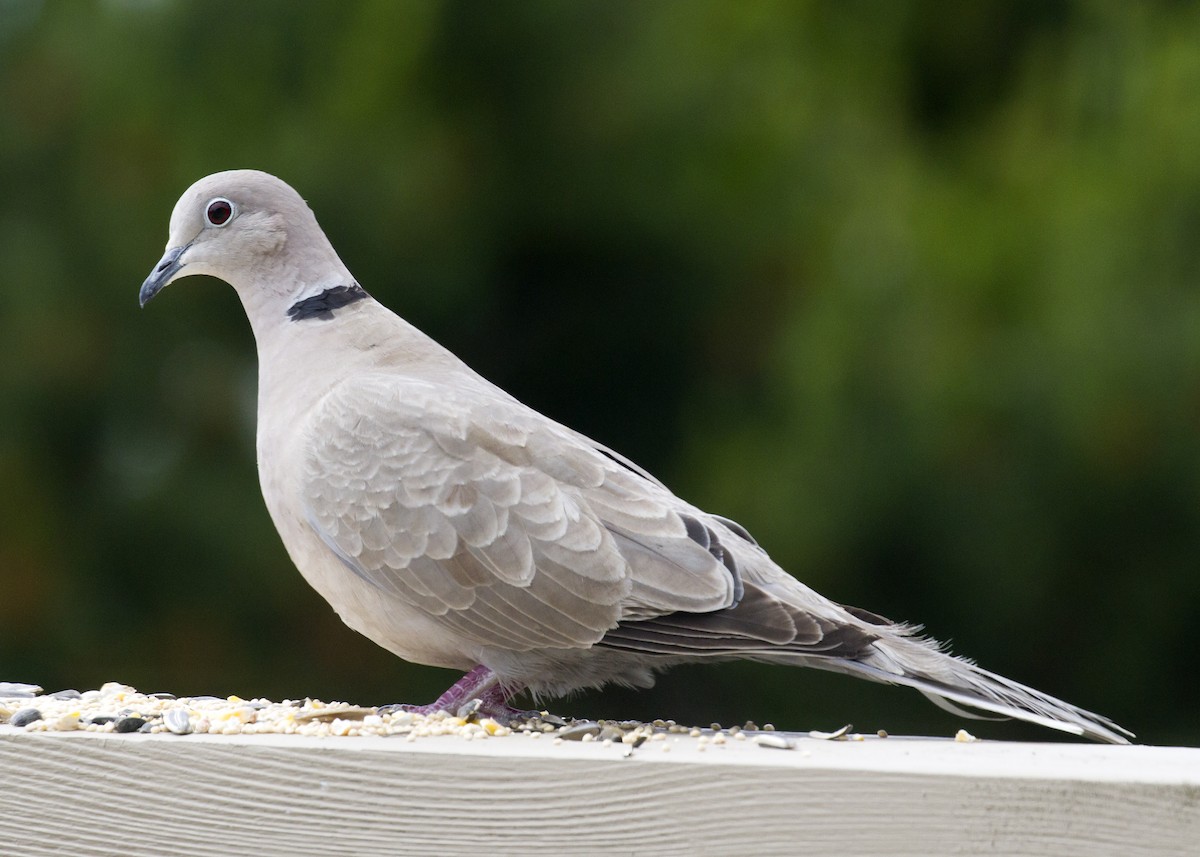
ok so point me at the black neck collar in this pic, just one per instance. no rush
(322, 306)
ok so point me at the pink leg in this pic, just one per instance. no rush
(479, 684)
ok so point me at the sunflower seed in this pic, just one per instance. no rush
(177, 721)
(774, 740)
(579, 730)
(128, 724)
(25, 716)
(836, 735)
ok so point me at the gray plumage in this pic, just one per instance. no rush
(456, 527)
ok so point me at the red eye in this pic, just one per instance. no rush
(219, 211)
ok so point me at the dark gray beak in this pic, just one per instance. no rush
(167, 268)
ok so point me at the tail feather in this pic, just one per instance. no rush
(950, 682)
(799, 628)
(956, 710)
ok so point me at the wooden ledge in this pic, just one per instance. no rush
(89, 793)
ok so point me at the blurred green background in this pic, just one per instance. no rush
(911, 289)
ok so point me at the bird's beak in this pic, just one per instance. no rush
(163, 273)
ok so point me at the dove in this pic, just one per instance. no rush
(457, 527)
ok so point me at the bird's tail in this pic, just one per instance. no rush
(902, 658)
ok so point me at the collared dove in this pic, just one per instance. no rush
(459, 528)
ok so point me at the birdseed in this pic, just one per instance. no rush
(774, 741)
(117, 708)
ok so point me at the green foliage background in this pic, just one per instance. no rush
(910, 289)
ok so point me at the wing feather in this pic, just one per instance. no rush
(512, 531)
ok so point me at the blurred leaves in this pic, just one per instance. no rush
(909, 289)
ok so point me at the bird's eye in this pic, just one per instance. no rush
(219, 211)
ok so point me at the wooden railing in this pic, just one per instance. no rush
(84, 793)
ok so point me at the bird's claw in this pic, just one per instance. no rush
(478, 708)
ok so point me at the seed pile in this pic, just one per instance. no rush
(119, 708)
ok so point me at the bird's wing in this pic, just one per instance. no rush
(513, 531)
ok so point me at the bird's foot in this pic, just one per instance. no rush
(505, 714)
(478, 694)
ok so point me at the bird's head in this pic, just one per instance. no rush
(237, 226)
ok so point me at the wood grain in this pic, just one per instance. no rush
(84, 793)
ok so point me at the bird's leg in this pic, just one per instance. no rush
(480, 683)
(480, 693)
